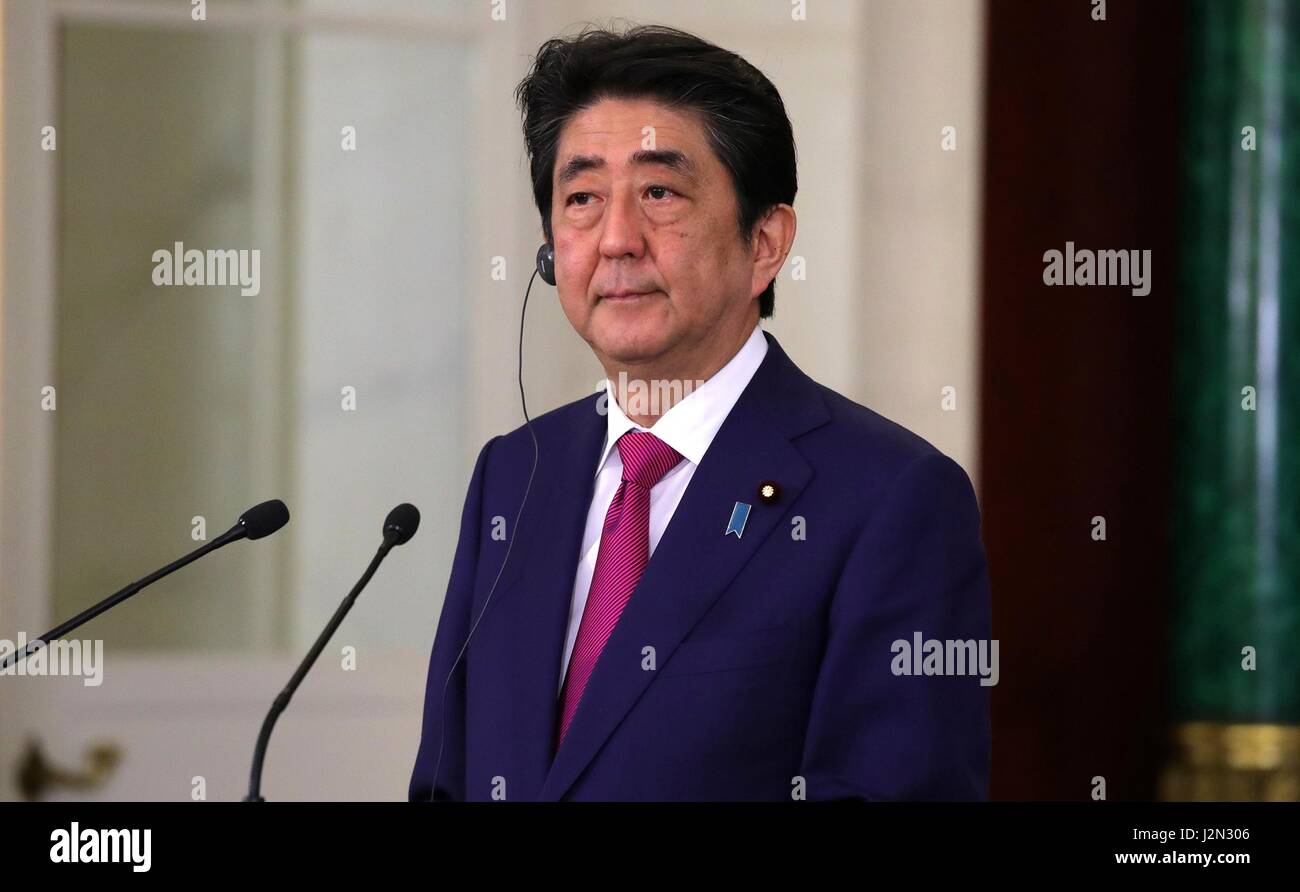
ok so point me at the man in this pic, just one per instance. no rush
(712, 582)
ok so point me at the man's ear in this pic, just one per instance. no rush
(770, 245)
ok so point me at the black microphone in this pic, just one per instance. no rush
(255, 523)
(401, 524)
(259, 521)
(399, 527)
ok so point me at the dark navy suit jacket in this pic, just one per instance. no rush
(750, 668)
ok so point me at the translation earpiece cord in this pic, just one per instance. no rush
(523, 401)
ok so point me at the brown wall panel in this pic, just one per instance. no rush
(1082, 146)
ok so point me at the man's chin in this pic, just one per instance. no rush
(626, 337)
(631, 347)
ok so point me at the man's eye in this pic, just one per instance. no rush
(658, 193)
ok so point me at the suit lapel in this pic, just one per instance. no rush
(694, 561)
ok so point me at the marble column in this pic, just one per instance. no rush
(1235, 620)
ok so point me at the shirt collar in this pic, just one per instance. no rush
(691, 424)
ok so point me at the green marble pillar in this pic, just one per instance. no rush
(1236, 535)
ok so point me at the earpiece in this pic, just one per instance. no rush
(546, 264)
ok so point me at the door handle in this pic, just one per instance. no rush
(37, 775)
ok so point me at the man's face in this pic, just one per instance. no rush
(649, 263)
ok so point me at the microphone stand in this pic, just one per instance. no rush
(234, 533)
(282, 701)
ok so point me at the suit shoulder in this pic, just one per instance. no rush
(859, 427)
(867, 453)
(553, 428)
(879, 448)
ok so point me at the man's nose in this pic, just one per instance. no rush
(622, 234)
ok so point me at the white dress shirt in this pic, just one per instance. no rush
(689, 427)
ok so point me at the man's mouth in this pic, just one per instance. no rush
(625, 295)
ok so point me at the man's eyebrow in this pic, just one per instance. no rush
(673, 159)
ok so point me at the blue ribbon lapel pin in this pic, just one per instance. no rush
(739, 515)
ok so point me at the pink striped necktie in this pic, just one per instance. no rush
(620, 560)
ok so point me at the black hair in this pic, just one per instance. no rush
(742, 113)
